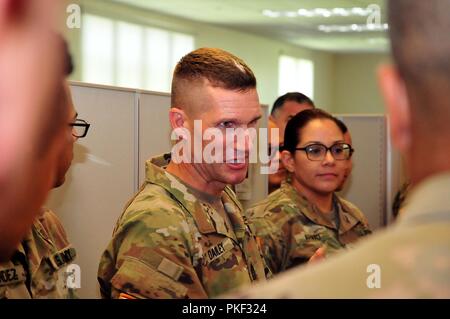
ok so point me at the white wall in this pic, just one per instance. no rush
(355, 88)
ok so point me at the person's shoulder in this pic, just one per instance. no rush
(48, 217)
(153, 201)
(273, 212)
(49, 226)
(354, 210)
(154, 213)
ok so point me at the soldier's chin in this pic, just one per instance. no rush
(59, 181)
(236, 178)
(327, 188)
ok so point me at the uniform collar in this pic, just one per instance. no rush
(156, 174)
(347, 215)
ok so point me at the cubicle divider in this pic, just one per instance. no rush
(366, 186)
(377, 173)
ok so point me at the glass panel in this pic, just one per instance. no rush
(129, 55)
(157, 60)
(97, 50)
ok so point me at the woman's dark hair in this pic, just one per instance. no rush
(299, 121)
(342, 126)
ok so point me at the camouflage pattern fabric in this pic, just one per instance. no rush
(38, 267)
(169, 244)
(290, 229)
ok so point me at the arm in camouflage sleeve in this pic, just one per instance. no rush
(154, 257)
(298, 249)
(271, 242)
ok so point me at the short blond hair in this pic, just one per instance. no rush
(219, 67)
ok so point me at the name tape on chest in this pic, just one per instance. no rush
(13, 275)
(218, 250)
(62, 257)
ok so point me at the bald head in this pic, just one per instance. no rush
(208, 66)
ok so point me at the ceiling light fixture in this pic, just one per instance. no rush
(322, 12)
(353, 27)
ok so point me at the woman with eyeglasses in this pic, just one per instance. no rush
(305, 219)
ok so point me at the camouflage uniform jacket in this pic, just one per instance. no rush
(38, 267)
(290, 229)
(168, 244)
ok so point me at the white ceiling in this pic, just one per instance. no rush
(247, 16)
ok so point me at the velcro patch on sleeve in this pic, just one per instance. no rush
(170, 269)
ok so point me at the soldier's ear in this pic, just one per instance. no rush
(397, 105)
(288, 161)
(177, 118)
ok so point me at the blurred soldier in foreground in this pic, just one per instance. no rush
(38, 267)
(31, 117)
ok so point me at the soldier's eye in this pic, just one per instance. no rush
(227, 124)
(338, 149)
(315, 150)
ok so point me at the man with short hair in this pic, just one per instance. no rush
(40, 261)
(283, 109)
(286, 106)
(183, 235)
(411, 259)
(31, 118)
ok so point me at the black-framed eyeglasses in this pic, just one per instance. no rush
(317, 152)
(80, 128)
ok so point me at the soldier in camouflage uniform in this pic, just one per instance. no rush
(411, 258)
(289, 225)
(183, 235)
(38, 267)
(31, 122)
(290, 229)
(174, 242)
